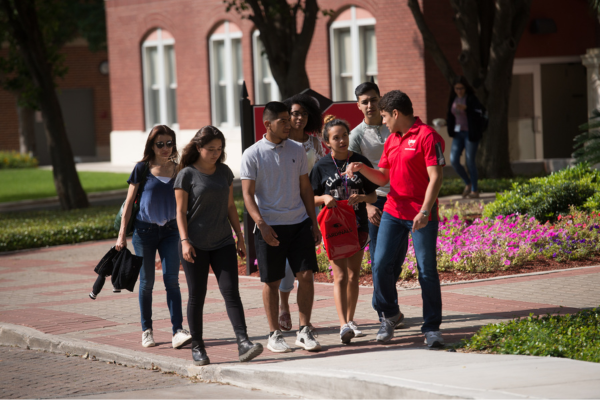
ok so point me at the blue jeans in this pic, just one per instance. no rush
(147, 239)
(373, 232)
(459, 143)
(385, 296)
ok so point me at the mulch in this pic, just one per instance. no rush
(540, 264)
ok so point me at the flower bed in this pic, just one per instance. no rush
(469, 244)
(472, 247)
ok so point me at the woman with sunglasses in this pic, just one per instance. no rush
(205, 215)
(155, 228)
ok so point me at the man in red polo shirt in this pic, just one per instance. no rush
(412, 162)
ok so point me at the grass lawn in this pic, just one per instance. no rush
(574, 336)
(31, 183)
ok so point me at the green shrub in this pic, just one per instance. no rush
(574, 336)
(548, 197)
(13, 159)
(49, 228)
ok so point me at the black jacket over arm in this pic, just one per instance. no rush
(475, 112)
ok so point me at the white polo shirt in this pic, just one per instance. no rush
(276, 169)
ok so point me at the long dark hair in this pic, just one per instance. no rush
(205, 135)
(330, 122)
(149, 149)
(311, 107)
(468, 89)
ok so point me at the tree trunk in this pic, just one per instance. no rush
(23, 25)
(493, 158)
(27, 144)
(286, 47)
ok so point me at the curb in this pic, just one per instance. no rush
(29, 338)
(267, 377)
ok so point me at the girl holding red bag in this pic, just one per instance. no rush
(330, 185)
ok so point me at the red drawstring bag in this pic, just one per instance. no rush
(339, 230)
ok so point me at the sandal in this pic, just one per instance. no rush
(285, 321)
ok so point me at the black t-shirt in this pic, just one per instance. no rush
(325, 179)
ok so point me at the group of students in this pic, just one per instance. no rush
(389, 169)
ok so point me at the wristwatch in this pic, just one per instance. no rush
(424, 212)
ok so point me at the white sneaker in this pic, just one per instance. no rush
(354, 327)
(277, 343)
(434, 340)
(148, 338)
(306, 340)
(181, 338)
(346, 333)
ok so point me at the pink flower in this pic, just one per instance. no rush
(255, 262)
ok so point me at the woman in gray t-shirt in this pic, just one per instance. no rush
(205, 215)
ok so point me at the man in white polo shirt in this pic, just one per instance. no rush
(279, 198)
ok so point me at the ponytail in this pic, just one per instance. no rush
(331, 121)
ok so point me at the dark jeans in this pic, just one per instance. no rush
(459, 143)
(373, 232)
(147, 239)
(224, 264)
(385, 295)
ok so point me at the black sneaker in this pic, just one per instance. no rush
(92, 296)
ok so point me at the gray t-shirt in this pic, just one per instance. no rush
(276, 170)
(368, 140)
(208, 198)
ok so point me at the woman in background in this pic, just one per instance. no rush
(464, 121)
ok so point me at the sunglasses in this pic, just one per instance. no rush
(160, 145)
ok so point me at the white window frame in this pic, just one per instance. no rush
(275, 95)
(357, 65)
(230, 81)
(160, 44)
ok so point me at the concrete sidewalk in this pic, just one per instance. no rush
(44, 305)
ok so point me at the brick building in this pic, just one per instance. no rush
(182, 63)
(85, 100)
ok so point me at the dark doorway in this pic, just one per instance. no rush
(564, 106)
(78, 112)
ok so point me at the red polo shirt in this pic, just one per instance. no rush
(407, 158)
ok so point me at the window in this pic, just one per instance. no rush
(160, 79)
(353, 53)
(265, 87)
(226, 74)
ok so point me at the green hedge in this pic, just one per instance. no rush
(571, 336)
(13, 159)
(548, 197)
(26, 230)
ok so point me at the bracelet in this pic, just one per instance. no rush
(183, 240)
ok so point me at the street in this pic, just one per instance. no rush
(37, 374)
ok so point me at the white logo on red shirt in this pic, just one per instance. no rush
(411, 142)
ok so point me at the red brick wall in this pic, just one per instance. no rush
(576, 29)
(191, 22)
(438, 15)
(83, 73)
(576, 33)
(402, 63)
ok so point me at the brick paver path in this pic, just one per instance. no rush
(35, 374)
(47, 289)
